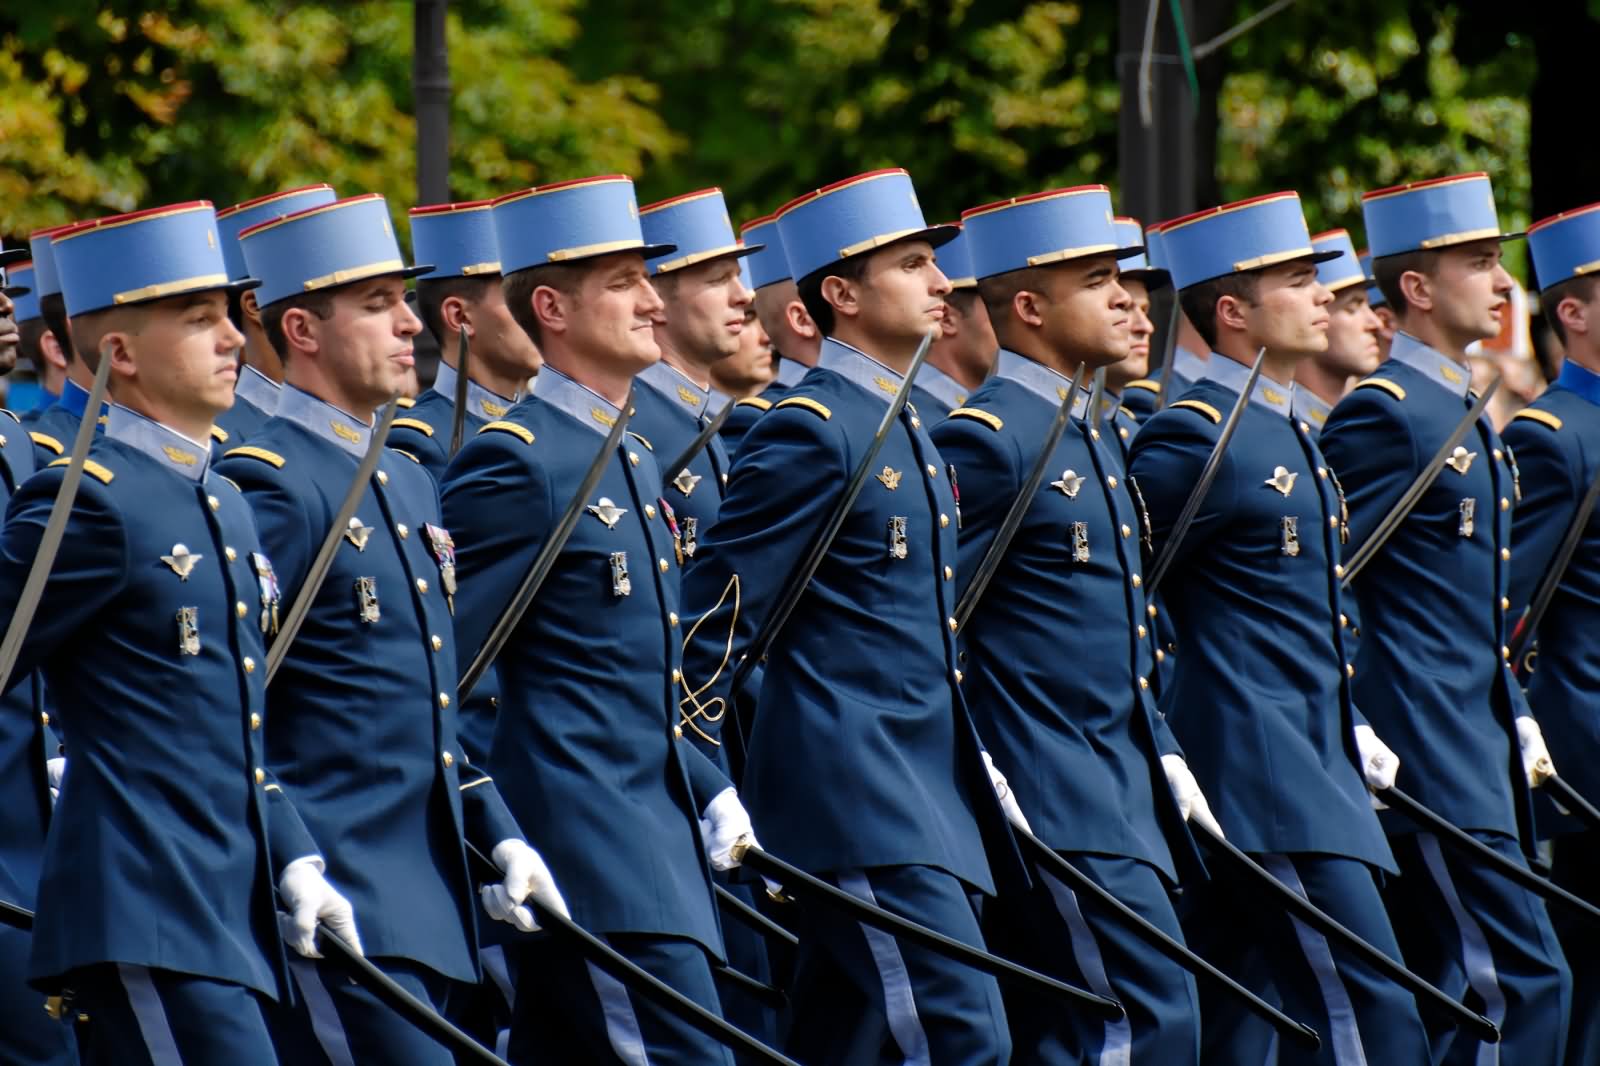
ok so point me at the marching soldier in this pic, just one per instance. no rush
(1189, 350)
(795, 339)
(1261, 698)
(36, 343)
(962, 357)
(585, 740)
(1352, 352)
(260, 367)
(1139, 279)
(463, 291)
(753, 367)
(863, 763)
(156, 915)
(1059, 691)
(52, 430)
(1431, 673)
(1557, 442)
(364, 727)
(1380, 308)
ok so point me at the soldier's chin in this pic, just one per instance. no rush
(8, 353)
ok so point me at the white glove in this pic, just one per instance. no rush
(1008, 799)
(525, 875)
(1379, 763)
(1186, 790)
(1536, 762)
(54, 769)
(724, 825)
(310, 900)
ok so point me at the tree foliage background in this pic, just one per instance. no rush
(107, 107)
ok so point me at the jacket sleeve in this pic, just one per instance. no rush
(1168, 455)
(1370, 446)
(1551, 489)
(987, 465)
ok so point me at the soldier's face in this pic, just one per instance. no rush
(497, 338)
(1352, 334)
(750, 369)
(1470, 290)
(182, 352)
(1140, 330)
(1086, 311)
(366, 344)
(612, 321)
(1290, 315)
(10, 338)
(704, 310)
(901, 293)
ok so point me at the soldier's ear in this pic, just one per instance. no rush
(1025, 304)
(250, 306)
(1417, 288)
(800, 320)
(550, 307)
(453, 311)
(1574, 315)
(1230, 313)
(300, 330)
(842, 294)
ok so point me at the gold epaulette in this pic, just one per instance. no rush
(45, 440)
(992, 421)
(90, 467)
(806, 403)
(647, 445)
(754, 401)
(1382, 383)
(252, 452)
(408, 455)
(219, 434)
(405, 401)
(1150, 384)
(1127, 412)
(1199, 405)
(510, 427)
(1533, 414)
(414, 423)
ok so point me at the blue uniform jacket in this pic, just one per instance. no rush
(1557, 442)
(53, 431)
(1261, 697)
(935, 394)
(158, 853)
(862, 753)
(1430, 673)
(584, 742)
(747, 410)
(255, 398)
(364, 715)
(1058, 653)
(669, 411)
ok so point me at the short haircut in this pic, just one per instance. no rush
(519, 285)
(810, 286)
(236, 308)
(1199, 301)
(1579, 288)
(1388, 270)
(319, 303)
(963, 300)
(90, 329)
(54, 309)
(433, 292)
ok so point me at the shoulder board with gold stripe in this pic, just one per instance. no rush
(1385, 384)
(647, 445)
(13, 414)
(219, 434)
(90, 467)
(754, 401)
(1533, 414)
(414, 423)
(405, 401)
(510, 427)
(808, 404)
(992, 421)
(1127, 412)
(408, 455)
(45, 440)
(1204, 408)
(252, 452)
(1148, 384)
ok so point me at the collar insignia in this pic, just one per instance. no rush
(345, 432)
(178, 455)
(602, 417)
(886, 385)
(492, 409)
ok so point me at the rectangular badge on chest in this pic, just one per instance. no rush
(1080, 542)
(1468, 510)
(367, 599)
(691, 530)
(621, 584)
(1291, 534)
(188, 631)
(898, 547)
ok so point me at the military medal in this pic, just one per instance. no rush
(1344, 509)
(672, 527)
(685, 482)
(621, 585)
(1461, 460)
(367, 599)
(188, 631)
(691, 526)
(444, 553)
(1516, 475)
(1080, 542)
(1282, 479)
(271, 595)
(890, 478)
(607, 512)
(955, 491)
(1468, 509)
(1070, 482)
(182, 561)
(898, 549)
(1291, 533)
(1146, 536)
(357, 534)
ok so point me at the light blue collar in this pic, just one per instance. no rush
(1188, 365)
(1585, 383)
(790, 372)
(324, 420)
(1040, 380)
(580, 402)
(74, 398)
(1431, 364)
(165, 445)
(944, 388)
(863, 371)
(259, 390)
(679, 389)
(485, 403)
(1279, 399)
(717, 402)
(1310, 409)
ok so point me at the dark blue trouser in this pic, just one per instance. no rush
(1069, 935)
(28, 1036)
(1577, 869)
(570, 1013)
(137, 1016)
(1364, 1018)
(1481, 938)
(935, 1012)
(336, 1022)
